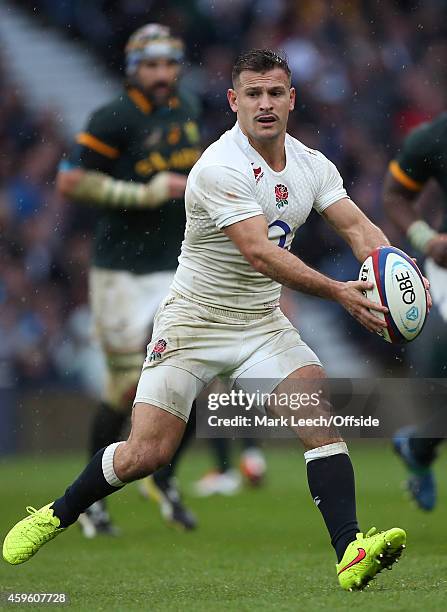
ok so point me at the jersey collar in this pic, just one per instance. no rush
(240, 137)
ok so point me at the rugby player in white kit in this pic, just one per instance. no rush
(245, 199)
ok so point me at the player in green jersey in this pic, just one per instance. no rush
(423, 157)
(131, 163)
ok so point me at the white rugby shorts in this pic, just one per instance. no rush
(192, 344)
(123, 306)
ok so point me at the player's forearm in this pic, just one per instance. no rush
(287, 269)
(355, 228)
(102, 190)
(364, 239)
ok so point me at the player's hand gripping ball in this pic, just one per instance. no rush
(397, 284)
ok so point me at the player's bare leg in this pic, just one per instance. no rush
(331, 483)
(153, 440)
(162, 487)
(123, 372)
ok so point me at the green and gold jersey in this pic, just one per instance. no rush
(131, 140)
(424, 156)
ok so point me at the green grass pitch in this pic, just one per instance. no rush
(264, 549)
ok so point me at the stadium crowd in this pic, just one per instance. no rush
(44, 252)
(365, 73)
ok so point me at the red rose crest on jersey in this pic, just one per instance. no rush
(257, 172)
(281, 196)
(158, 349)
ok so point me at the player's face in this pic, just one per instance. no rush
(262, 102)
(157, 78)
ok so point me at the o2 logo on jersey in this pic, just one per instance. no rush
(281, 231)
(281, 196)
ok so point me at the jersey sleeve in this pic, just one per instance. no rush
(329, 185)
(413, 165)
(226, 194)
(98, 145)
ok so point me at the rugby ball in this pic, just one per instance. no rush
(398, 285)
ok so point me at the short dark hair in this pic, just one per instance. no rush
(259, 60)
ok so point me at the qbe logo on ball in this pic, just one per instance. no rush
(398, 285)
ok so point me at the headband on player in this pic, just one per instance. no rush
(152, 41)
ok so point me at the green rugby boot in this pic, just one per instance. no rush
(29, 534)
(368, 555)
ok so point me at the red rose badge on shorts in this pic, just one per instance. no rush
(158, 348)
(281, 196)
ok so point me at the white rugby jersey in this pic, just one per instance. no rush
(232, 182)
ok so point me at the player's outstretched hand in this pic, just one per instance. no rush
(427, 291)
(351, 297)
(437, 250)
